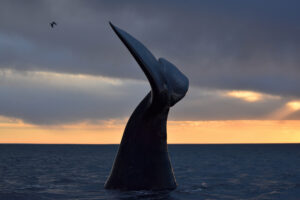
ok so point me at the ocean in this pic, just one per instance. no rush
(240, 171)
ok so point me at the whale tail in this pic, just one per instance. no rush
(162, 75)
(142, 162)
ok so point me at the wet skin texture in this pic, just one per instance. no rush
(142, 162)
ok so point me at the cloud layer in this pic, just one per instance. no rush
(54, 98)
(220, 46)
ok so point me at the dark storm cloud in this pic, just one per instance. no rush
(50, 99)
(234, 45)
(220, 44)
(203, 104)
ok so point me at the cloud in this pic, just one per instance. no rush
(250, 96)
(294, 107)
(81, 71)
(229, 45)
(204, 104)
(293, 116)
(47, 98)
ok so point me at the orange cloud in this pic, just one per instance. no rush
(285, 110)
(295, 105)
(249, 96)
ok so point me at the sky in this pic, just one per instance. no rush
(77, 83)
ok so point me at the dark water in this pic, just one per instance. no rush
(42, 172)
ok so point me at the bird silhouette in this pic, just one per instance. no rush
(52, 24)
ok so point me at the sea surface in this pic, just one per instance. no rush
(44, 172)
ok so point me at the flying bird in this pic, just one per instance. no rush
(52, 24)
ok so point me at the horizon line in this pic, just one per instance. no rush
(168, 143)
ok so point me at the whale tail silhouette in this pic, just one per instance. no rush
(161, 74)
(142, 162)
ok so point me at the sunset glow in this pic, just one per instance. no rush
(77, 83)
(245, 95)
(295, 105)
(250, 96)
(186, 132)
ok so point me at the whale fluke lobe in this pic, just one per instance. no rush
(142, 161)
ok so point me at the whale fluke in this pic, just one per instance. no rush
(142, 161)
